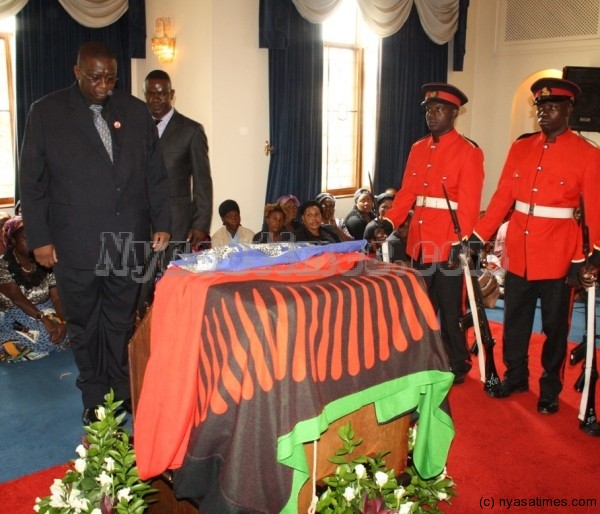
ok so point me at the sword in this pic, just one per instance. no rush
(587, 407)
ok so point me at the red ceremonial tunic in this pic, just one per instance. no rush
(550, 175)
(455, 162)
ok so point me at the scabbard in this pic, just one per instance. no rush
(590, 349)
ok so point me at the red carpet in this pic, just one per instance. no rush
(505, 450)
(18, 496)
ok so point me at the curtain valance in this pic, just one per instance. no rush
(89, 13)
(439, 18)
(11, 7)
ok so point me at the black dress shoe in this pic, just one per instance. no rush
(89, 416)
(505, 389)
(459, 378)
(592, 429)
(547, 405)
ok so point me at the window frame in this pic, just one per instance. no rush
(6, 38)
(357, 150)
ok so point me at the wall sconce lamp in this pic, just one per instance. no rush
(163, 46)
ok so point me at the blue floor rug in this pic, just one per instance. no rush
(40, 414)
(40, 417)
(578, 320)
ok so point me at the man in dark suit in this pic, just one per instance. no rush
(185, 150)
(94, 189)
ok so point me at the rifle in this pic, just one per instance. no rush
(483, 334)
(587, 406)
(375, 213)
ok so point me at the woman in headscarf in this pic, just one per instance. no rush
(31, 317)
(327, 202)
(290, 205)
(274, 221)
(360, 215)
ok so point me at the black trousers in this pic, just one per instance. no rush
(520, 299)
(100, 312)
(445, 290)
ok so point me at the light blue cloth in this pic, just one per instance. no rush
(239, 257)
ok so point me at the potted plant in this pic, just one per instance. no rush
(103, 478)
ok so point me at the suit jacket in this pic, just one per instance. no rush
(74, 197)
(185, 150)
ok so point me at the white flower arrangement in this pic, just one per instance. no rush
(104, 478)
(364, 485)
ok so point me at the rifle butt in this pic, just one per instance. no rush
(577, 354)
(589, 417)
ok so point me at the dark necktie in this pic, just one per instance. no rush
(156, 122)
(102, 128)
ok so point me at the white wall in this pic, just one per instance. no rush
(497, 82)
(220, 77)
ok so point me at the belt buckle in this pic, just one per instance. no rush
(424, 201)
(531, 207)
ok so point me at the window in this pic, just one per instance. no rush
(350, 78)
(7, 113)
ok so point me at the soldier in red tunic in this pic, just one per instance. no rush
(544, 175)
(443, 157)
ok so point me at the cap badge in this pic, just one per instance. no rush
(545, 92)
(433, 94)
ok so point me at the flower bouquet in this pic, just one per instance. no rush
(104, 478)
(364, 485)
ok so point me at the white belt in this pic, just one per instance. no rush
(434, 203)
(544, 212)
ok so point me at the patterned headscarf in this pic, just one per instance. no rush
(286, 198)
(9, 229)
(270, 207)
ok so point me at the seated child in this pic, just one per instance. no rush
(397, 242)
(232, 231)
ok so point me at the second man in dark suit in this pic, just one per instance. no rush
(185, 150)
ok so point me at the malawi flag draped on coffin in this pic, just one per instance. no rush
(248, 365)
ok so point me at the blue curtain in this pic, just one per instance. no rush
(47, 40)
(295, 100)
(460, 38)
(409, 59)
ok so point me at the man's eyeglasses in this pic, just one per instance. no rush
(95, 80)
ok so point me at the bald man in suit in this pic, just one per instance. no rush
(185, 150)
(94, 191)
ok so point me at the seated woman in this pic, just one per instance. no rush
(31, 315)
(4, 217)
(290, 204)
(274, 220)
(327, 202)
(312, 230)
(361, 213)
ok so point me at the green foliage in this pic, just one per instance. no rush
(364, 484)
(104, 479)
